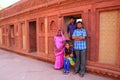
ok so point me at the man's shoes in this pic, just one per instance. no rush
(76, 72)
(81, 75)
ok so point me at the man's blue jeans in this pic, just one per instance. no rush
(80, 61)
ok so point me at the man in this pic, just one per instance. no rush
(71, 27)
(79, 37)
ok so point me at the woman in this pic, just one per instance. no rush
(59, 41)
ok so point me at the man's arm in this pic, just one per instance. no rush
(74, 37)
(78, 38)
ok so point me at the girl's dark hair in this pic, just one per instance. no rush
(67, 42)
(67, 51)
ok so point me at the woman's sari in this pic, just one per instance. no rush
(59, 50)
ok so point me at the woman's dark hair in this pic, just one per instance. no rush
(59, 29)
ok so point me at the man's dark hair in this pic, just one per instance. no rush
(71, 17)
(80, 22)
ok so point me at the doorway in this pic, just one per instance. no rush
(78, 17)
(12, 36)
(32, 37)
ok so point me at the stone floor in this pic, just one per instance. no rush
(16, 67)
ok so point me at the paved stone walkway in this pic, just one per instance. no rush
(16, 67)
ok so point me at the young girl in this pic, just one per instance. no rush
(68, 54)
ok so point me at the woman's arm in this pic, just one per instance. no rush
(64, 55)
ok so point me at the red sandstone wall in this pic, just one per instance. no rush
(89, 9)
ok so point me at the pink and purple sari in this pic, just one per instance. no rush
(59, 50)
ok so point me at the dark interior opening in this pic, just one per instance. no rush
(78, 17)
(12, 36)
(32, 37)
